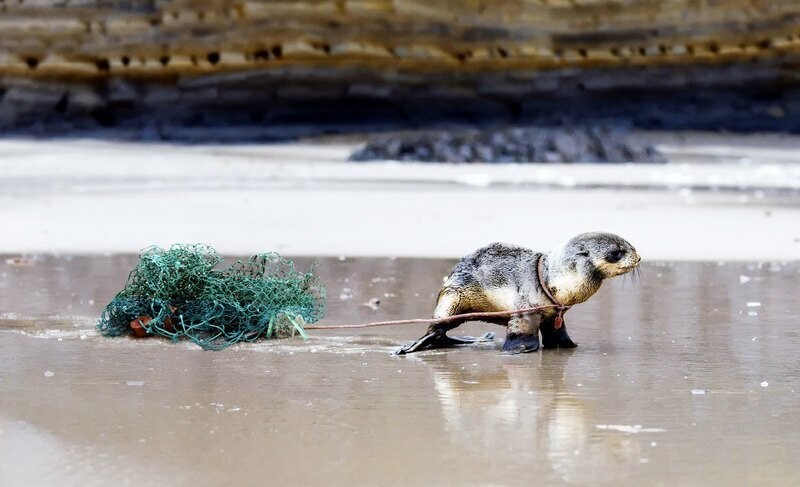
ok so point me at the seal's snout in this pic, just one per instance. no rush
(620, 258)
(631, 263)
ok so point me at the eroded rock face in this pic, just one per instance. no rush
(198, 62)
(164, 38)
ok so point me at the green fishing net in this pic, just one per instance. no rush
(180, 293)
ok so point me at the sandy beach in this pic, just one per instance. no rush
(710, 202)
(697, 356)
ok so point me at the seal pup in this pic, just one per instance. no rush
(502, 277)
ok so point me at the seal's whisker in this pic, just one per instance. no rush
(636, 275)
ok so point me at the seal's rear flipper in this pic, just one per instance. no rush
(438, 339)
(521, 343)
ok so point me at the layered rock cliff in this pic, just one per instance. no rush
(197, 62)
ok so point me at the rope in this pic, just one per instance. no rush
(559, 321)
(180, 293)
(488, 315)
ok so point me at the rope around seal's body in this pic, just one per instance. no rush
(559, 322)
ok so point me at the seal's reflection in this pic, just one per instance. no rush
(522, 405)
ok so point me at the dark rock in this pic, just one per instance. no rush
(570, 144)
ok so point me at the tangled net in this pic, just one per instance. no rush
(179, 293)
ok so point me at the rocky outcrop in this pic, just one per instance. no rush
(262, 60)
(165, 38)
(535, 144)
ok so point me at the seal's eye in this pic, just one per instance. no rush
(615, 256)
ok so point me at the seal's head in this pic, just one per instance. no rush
(607, 254)
(580, 265)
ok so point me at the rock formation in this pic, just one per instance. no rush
(277, 60)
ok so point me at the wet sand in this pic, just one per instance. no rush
(690, 377)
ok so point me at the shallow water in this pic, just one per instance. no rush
(689, 377)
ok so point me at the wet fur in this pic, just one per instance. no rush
(502, 277)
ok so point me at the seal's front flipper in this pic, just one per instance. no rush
(439, 339)
(564, 341)
(417, 345)
(521, 343)
(552, 337)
